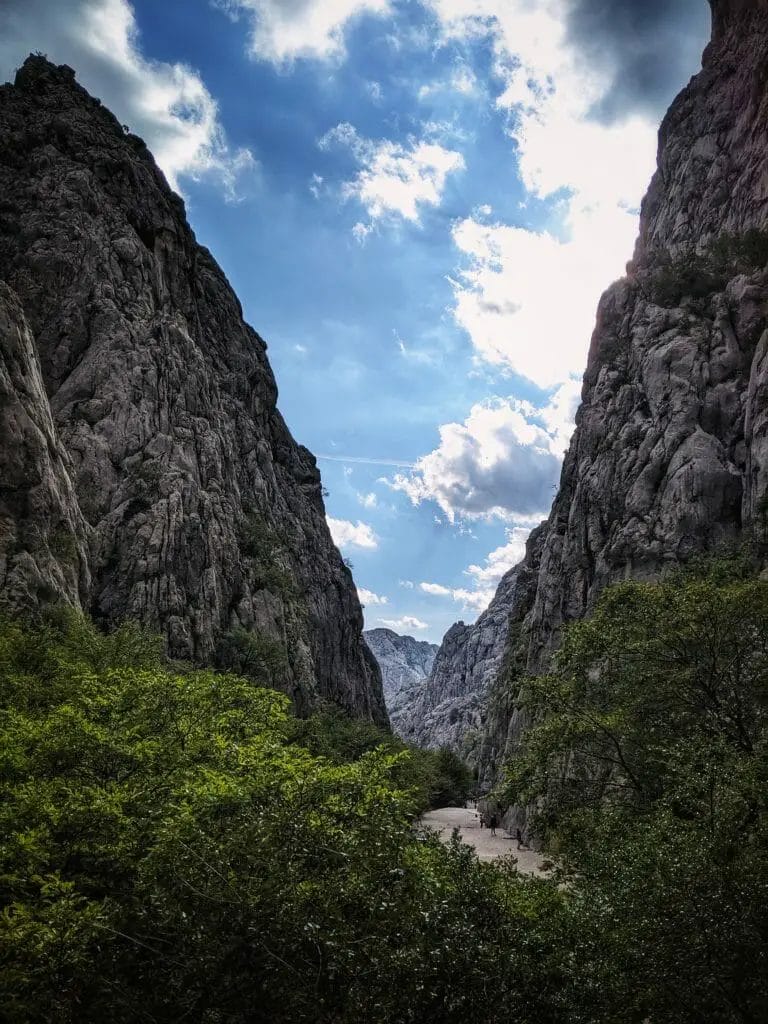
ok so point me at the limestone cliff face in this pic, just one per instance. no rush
(670, 453)
(145, 471)
(450, 709)
(405, 664)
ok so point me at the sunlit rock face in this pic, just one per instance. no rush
(670, 454)
(450, 708)
(405, 665)
(146, 472)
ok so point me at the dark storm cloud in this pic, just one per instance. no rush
(649, 48)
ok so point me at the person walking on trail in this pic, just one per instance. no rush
(494, 822)
(519, 838)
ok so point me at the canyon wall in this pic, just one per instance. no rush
(670, 453)
(145, 471)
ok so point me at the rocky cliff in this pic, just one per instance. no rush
(450, 708)
(145, 471)
(670, 453)
(405, 664)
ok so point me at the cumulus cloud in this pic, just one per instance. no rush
(485, 578)
(499, 562)
(368, 597)
(406, 622)
(352, 535)
(167, 104)
(502, 461)
(552, 92)
(504, 293)
(282, 30)
(368, 500)
(394, 179)
(477, 599)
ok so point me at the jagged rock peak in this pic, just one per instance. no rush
(145, 471)
(450, 708)
(405, 664)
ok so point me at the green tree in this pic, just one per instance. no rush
(170, 852)
(648, 768)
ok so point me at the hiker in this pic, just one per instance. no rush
(519, 838)
(494, 823)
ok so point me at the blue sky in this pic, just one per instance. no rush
(418, 204)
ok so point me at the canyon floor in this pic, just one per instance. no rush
(488, 847)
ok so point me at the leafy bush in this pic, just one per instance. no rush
(435, 778)
(255, 655)
(170, 853)
(649, 766)
(697, 275)
(265, 550)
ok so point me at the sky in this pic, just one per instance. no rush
(418, 203)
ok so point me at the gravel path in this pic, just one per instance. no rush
(488, 847)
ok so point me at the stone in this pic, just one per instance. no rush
(405, 664)
(670, 454)
(140, 426)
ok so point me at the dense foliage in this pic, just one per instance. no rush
(649, 772)
(435, 778)
(170, 852)
(177, 847)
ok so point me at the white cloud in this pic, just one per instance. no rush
(485, 578)
(167, 104)
(352, 535)
(368, 597)
(559, 414)
(504, 292)
(406, 622)
(374, 91)
(500, 561)
(504, 295)
(367, 500)
(435, 589)
(462, 80)
(394, 179)
(282, 30)
(477, 599)
(502, 461)
(407, 584)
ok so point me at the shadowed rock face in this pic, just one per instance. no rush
(146, 472)
(405, 664)
(670, 453)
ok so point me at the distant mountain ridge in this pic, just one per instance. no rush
(405, 665)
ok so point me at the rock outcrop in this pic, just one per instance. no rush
(670, 454)
(145, 471)
(405, 664)
(450, 708)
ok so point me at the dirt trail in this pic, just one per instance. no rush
(488, 847)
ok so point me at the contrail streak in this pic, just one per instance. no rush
(399, 463)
